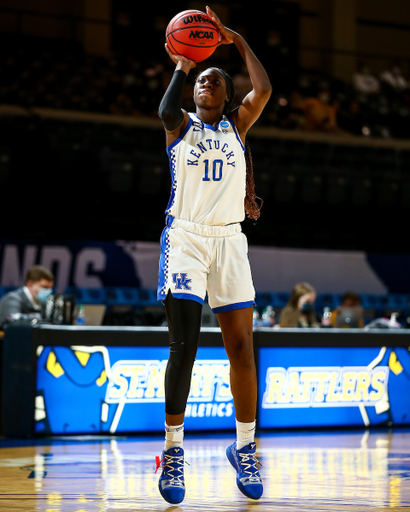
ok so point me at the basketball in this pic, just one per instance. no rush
(192, 34)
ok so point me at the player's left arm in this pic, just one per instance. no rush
(254, 102)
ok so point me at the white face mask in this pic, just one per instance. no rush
(43, 295)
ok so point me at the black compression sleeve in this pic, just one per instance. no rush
(170, 107)
(184, 324)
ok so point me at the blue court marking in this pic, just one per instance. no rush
(37, 474)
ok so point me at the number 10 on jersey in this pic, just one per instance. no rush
(216, 170)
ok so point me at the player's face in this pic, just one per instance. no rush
(210, 89)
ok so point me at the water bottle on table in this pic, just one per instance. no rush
(80, 316)
(326, 317)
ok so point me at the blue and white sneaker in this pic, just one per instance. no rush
(171, 482)
(245, 462)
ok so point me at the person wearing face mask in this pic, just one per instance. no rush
(300, 309)
(28, 299)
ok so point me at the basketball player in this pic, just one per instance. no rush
(203, 250)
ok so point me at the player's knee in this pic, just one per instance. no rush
(182, 352)
(241, 357)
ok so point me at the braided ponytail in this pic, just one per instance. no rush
(252, 208)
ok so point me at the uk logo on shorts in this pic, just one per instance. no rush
(181, 281)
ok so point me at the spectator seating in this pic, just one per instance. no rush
(122, 296)
(329, 300)
(372, 302)
(119, 162)
(397, 302)
(147, 298)
(87, 295)
(140, 299)
(6, 289)
(280, 299)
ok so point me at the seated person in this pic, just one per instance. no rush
(349, 313)
(300, 310)
(320, 114)
(29, 298)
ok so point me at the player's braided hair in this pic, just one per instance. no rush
(252, 208)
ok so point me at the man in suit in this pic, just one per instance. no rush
(29, 298)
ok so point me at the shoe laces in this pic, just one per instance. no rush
(170, 463)
(249, 464)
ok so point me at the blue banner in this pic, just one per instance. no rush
(333, 386)
(98, 389)
(79, 263)
(97, 264)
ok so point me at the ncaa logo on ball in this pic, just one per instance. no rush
(200, 34)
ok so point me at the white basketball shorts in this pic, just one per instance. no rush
(197, 259)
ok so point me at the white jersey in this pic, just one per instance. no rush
(208, 172)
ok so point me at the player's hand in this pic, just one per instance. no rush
(181, 61)
(227, 35)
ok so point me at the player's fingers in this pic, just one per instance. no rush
(214, 17)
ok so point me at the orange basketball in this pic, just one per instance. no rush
(192, 34)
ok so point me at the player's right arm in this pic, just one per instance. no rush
(171, 113)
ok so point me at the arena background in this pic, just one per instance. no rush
(82, 153)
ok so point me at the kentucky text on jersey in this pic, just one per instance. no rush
(210, 145)
(208, 171)
(324, 387)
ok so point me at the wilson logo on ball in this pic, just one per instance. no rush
(197, 18)
(200, 34)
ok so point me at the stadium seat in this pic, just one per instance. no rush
(370, 301)
(87, 295)
(285, 187)
(279, 299)
(122, 296)
(147, 297)
(312, 185)
(336, 189)
(329, 300)
(263, 299)
(397, 301)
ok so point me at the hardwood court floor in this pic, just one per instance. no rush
(316, 471)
